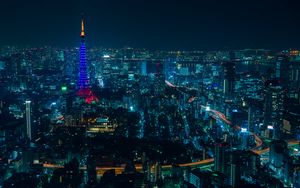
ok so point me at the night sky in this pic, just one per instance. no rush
(154, 24)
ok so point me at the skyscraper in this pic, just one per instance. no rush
(278, 154)
(28, 119)
(143, 68)
(220, 156)
(273, 109)
(229, 77)
(84, 90)
(282, 73)
(294, 75)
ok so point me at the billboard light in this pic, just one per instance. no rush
(64, 88)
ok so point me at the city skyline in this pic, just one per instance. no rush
(167, 25)
(186, 115)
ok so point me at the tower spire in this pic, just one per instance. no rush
(82, 34)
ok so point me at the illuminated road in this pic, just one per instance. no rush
(197, 164)
(258, 141)
(220, 115)
(290, 144)
(120, 169)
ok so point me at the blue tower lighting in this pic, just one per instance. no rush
(83, 80)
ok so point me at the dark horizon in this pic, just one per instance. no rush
(168, 25)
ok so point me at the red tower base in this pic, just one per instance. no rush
(88, 94)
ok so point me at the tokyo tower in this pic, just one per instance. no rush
(83, 86)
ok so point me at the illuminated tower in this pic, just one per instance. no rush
(84, 90)
(83, 82)
(28, 119)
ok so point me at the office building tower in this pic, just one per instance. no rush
(91, 170)
(160, 80)
(143, 65)
(273, 109)
(28, 119)
(71, 176)
(69, 69)
(278, 153)
(200, 179)
(282, 73)
(240, 163)
(220, 157)
(157, 171)
(14, 64)
(229, 77)
(295, 76)
(234, 175)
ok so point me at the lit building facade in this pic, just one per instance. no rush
(273, 110)
(28, 119)
(229, 77)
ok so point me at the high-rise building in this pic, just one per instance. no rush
(282, 73)
(254, 113)
(273, 109)
(229, 77)
(234, 175)
(295, 75)
(199, 178)
(278, 153)
(143, 65)
(71, 176)
(15, 64)
(240, 163)
(91, 170)
(157, 171)
(160, 80)
(84, 90)
(28, 119)
(220, 157)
